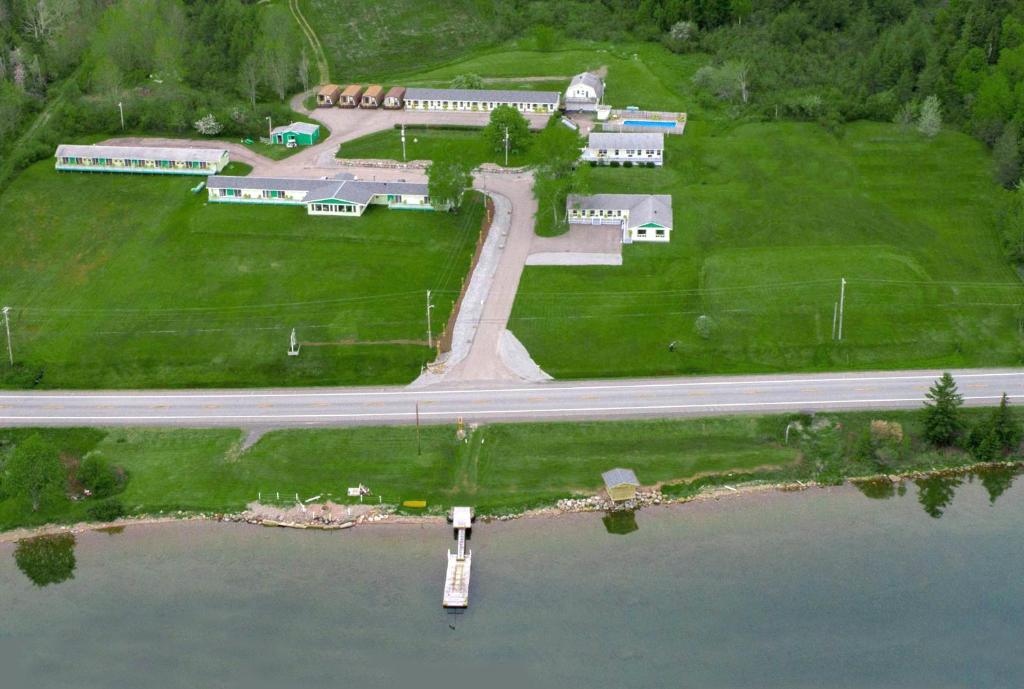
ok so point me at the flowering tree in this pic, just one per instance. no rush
(208, 125)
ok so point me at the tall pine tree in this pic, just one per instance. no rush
(943, 424)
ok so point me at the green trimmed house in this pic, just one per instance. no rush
(342, 195)
(296, 134)
(642, 217)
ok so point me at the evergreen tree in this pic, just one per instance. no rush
(1006, 156)
(943, 424)
(1005, 427)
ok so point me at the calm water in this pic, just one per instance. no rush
(816, 589)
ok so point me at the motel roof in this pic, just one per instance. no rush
(300, 127)
(591, 80)
(352, 90)
(362, 192)
(184, 155)
(619, 477)
(606, 140)
(484, 95)
(270, 183)
(643, 208)
(374, 91)
(395, 92)
(329, 89)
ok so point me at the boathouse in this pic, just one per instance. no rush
(141, 159)
(621, 484)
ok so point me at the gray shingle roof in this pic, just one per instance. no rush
(274, 183)
(643, 208)
(361, 192)
(183, 154)
(618, 477)
(482, 95)
(591, 80)
(301, 127)
(626, 141)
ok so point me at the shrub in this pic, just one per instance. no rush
(649, 164)
(102, 479)
(105, 511)
(614, 163)
(628, 163)
(593, 163)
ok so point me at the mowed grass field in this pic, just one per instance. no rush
(502, 467)
(122, 281)
(768, 218)
(425, 144)
(369, 40)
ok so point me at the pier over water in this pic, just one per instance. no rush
(456, 579)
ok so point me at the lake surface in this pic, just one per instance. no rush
(823, 588)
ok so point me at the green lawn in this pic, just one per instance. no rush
(768, 218)
(424, 144)
(129, 281)
(501, 468)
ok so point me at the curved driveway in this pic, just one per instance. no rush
(556, 400)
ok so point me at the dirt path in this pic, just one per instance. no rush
(314, 41)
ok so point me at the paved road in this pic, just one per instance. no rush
(555, 400)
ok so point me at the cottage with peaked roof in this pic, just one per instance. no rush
(642, 217)
(395, 98)
(480, 100)
(603, 148)
(585, 93)
(341, 195)
(328, 96)
(372, 96)
(621, 484)
(164, 160)
(350, 96)
(295, 134)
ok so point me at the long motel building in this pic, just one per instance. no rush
(342, 195)
(141, 159)
(480, 100)
(642, 217)
(604, 147)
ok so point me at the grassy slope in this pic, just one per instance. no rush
(120, 281)
(501, 467)
(372, 40)
(768, 218)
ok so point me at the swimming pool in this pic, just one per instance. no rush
(649, 123)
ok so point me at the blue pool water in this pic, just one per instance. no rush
(649, 123)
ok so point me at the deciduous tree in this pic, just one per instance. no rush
(34, 471)
(505, 117)
(929, 122)
(448, 177)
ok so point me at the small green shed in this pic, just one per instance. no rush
(296, 134)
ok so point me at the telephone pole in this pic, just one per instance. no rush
(7, 327)
(403, 143)
(506, 146)
(430, 331)
(120, 108)
(842, 302)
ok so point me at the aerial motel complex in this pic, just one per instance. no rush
(141, 159)
(342, 195)
(481, 100)
(642, 217)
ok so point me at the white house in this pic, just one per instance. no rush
(141, 159)
(642, 217)
(342, 195)
(480, 100)
(639, 149)
(585, 93)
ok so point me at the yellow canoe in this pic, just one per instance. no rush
(414, 503)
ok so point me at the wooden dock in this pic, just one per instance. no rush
(460, 563)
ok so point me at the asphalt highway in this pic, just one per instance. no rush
(508, 402)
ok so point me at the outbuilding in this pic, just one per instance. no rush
(350, 96)
(328, 95)
(372, 97)
(395, 98)
(295, 134)
(621, 484)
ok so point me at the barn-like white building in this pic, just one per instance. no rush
(585, 93)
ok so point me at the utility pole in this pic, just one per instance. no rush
(419, 448)
(430, 331)
(403, 143)
(835, 318)
(120, 108)
(842, 302)
(506, 146)
(7, 326)
(270, 129)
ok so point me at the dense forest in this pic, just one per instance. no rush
(172, 61)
